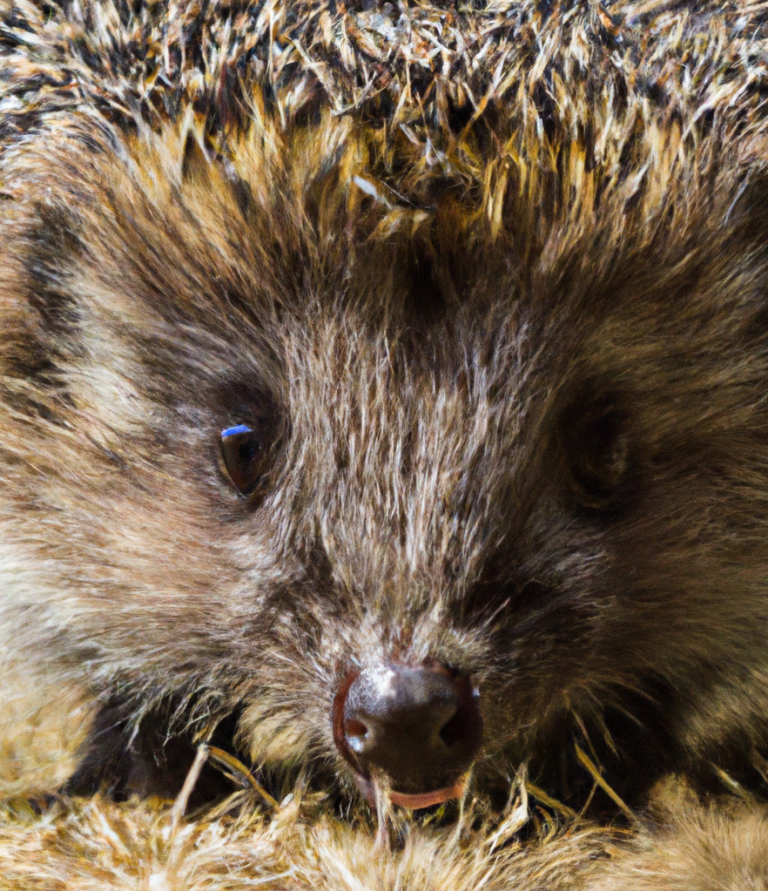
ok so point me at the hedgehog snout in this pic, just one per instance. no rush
(417, 727)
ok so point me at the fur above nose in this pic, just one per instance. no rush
(420, 726)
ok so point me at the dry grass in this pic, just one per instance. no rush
(50, 843)
(56, 844)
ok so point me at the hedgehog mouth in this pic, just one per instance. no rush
(413, 800)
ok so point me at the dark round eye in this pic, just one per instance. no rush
(244, 456)
(597, 442)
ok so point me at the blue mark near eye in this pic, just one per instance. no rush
(233, 431)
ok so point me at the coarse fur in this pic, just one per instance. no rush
(490, 283)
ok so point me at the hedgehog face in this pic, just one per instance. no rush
(403, 501)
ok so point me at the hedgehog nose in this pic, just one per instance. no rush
(420, 726)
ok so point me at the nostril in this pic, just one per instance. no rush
(456, 729)
(356, 733)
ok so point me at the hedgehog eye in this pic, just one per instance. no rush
(598, 445)
(244, 455)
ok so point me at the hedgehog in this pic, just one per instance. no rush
(382, 390)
